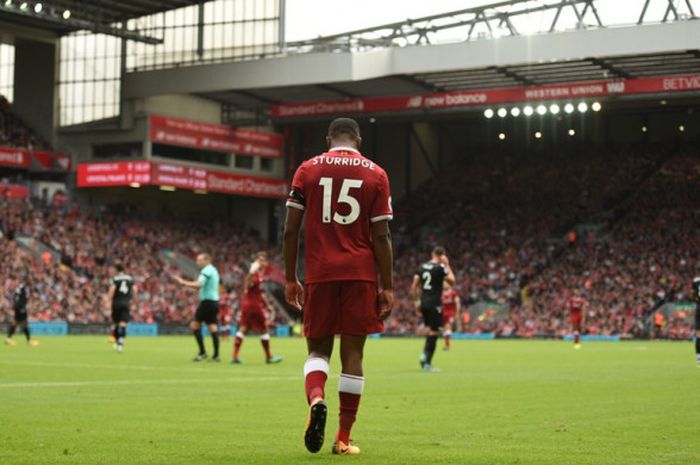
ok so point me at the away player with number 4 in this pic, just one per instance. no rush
(344, 200)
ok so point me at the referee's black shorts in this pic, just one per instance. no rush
(432, 317)
(207, 312)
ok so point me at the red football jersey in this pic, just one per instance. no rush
(576, 304)
(449, 304)
(252, 296)
(342, 194)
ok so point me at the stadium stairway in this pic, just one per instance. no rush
(37, 248)
(182, 262)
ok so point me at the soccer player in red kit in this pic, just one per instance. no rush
(576, 305)
(451, 306)
(344, 201)
(252, 312)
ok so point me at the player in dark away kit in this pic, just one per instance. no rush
(427, 290)
(121, 291)
(20, 299)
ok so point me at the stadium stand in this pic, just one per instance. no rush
(505, 235)
(15, 133)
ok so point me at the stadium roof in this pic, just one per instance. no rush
(100, 16)
(492, 77)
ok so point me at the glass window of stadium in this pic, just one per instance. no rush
(218, 30)
(7, 71)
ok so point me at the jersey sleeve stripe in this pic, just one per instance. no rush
(295, 205)
(377, 219)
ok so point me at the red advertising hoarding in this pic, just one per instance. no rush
(13, 191)
(215, 137)
(122, 173)
(580, 90)
(43, 161)
(179, 176)
(228, 183)
(14, 157)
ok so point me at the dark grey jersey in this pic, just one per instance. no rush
(123, 293)
(431, 275)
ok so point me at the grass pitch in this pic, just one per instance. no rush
(73, 400)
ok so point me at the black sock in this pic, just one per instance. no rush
(121, 334)
(26, 332)
(430, 344)
(115, 332)
(200, 341)
(215, 339)
(11, 331)
(697, 345)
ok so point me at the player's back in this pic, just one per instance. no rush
(342, 193)
(432, 276)
(124, 285)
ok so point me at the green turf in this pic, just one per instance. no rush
(72, 400)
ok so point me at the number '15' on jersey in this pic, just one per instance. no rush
(341, 193)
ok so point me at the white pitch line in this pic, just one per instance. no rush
(153, 381)
(120, 367)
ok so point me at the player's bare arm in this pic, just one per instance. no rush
(416, 291)
(186, 283)
(383, 253)
(293, 291)
(112, 290)
(450, 278)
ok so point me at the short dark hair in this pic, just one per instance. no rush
(439, 251)
(343, 127)
(119, 267)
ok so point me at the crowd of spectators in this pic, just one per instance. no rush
(72, 285)
(505, 221)
(13, 131)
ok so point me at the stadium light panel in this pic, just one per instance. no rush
(681, 128)
(135, 185)
(200, 192)
(167, 188)
(502, 112)
(8, 3)
(66, 14)
(528, 111)
(502, 136)
(24, 6)
(644, 129)
(596, 106)
(515, 111)
(488, 113)
(38, 7)
(554, 109)
(583, 107)
(541, 110)
(569, 108)
(538, 135)
(572, 132)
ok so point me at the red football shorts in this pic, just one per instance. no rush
(448, 317)
(341, 307)
(576, 319)
(253, 319)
